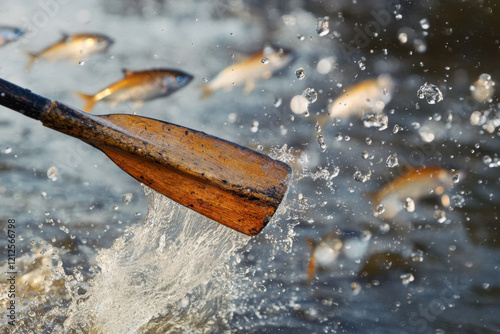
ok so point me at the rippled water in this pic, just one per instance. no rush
(90, 261)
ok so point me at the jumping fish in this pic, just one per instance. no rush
(411, 186)
(9, 34)
(73, 47)
(261, 65)
(369, 95)
(139, 87)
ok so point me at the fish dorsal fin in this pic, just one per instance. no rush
(127, 72)
(64, 36)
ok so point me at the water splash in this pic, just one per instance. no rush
(172, 272)
(166, 273)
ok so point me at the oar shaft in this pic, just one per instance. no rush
(23, 100)
(57, 116)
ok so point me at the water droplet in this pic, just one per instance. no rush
(299, 104)
(431, 93)
(360, 177)
(392, 161)
(378, 120)
(264, 60)
(384, 227)
(127, 198)
(361, 65)
(456, 177)
(317, 126)
(488, 119)
(335, 172)
(261, 288)
(457, 201)
(300, 73)
(409, 204)
(403, 38)
(52, 173)
(483, 89)
(323, 26)
(424, 23)
(8, 150)
(255, 126)
(396, 129)
(440, 216)
(426, 134)
(407, 278)
(325, 65)
(277, 102)
(310, 94)
(417, 256)
(300, 37)
(321, 143)
(355, 288)
(115, 207)
(204, 80)
(380, 209)
(81, 63)
(420, 45)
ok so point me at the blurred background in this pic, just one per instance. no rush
(332, 261)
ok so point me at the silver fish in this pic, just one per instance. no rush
(73, 47)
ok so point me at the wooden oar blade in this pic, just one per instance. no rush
(228, 183)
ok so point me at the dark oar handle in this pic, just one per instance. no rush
(23, 100)
(56, 115)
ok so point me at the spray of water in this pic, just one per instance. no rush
(170, 273)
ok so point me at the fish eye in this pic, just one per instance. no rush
(179, 78)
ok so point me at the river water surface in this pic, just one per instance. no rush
(98, 253)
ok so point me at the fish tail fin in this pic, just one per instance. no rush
(311, 267)
(207, 91)
(89, 100)
(33, 57)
